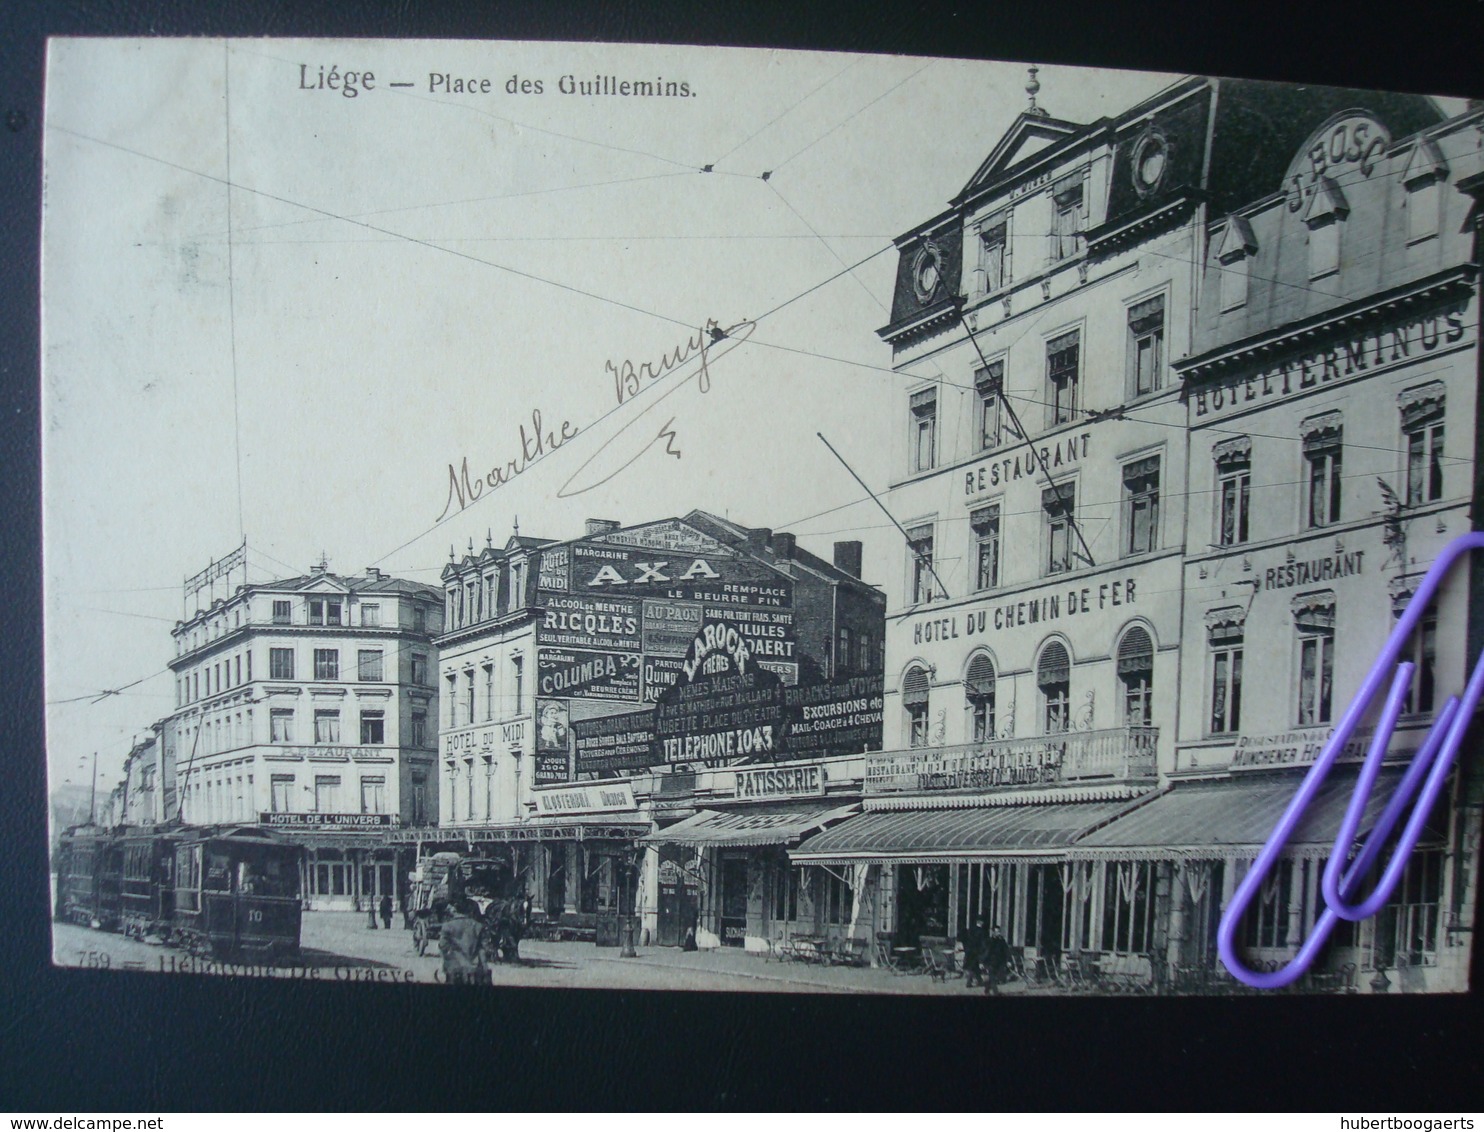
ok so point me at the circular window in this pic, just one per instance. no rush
(927, 272)
(1151, 157)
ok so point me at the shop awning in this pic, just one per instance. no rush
(1233, 818)
(1025, 832)
(749, 827)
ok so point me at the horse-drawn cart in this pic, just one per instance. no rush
(484, 889)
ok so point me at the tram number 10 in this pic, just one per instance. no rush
(255, 915)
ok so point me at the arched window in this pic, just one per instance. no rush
(1136, 673)
(1054, 678)
(915, 704)
(979, 693)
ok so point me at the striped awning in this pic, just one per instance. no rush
(1233, 818)
(749, 827)
(993, 832)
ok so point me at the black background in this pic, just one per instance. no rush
(75, 1041)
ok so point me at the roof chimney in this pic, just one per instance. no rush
(758, 537)
(784, 543)
(373, 573)
(848, 557)
(602, 526)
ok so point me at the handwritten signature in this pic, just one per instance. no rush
(708, 344)
(533, 446)
(628, 379)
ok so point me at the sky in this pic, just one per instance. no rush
(282, 314)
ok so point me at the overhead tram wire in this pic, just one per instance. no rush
(451, 251)
(928, 562)
(789, 110)
(466, 201)
(852, 117)
(231, 283)
(642, 392)
(1091, 415)
(1106, 504)
(567, 287)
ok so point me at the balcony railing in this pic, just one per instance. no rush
(1116, 755)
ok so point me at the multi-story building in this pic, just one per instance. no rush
(1039, 680)
(309, 705)
(595, 687)
(139, 799)
(1332, 394)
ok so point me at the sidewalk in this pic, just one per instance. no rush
(547, 963)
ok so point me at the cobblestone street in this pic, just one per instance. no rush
(338, 946)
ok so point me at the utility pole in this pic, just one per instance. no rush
(93, 796)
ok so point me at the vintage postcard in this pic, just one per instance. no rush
(576, 515)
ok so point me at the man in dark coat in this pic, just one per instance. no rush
(386, 912)
(458, 940)
(975, 941)
(996, 960)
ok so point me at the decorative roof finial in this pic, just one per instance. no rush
(1033, 88)
(471, 546)
(450, 552)
(324, 560)
(489, 538)
(517, 526)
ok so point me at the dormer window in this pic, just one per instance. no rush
(1324, 218)
(993, 258)
(923, 408)
(1238, 246)
(1423, 180)
(517, 585)
(1068, 216)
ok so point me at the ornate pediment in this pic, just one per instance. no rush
(1028, 136)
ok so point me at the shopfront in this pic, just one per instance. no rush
(348, 864)
(1194, 844)
(930, 872)
(725, 874)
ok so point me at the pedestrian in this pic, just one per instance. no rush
(975, 941)
(996, 960)
(459, 941)
(386, 912)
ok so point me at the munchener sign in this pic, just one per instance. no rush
(1031, 762)
(1302, 746)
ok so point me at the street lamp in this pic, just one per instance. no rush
(626, 925)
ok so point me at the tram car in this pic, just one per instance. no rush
(227, 892)
(147, 886)
(89, 873)
(237, 894)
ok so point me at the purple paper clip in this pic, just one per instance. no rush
(1431, 762)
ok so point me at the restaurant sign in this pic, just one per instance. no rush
(1301, 747)
(594, 799)
(328, 821)
(1026, 763)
